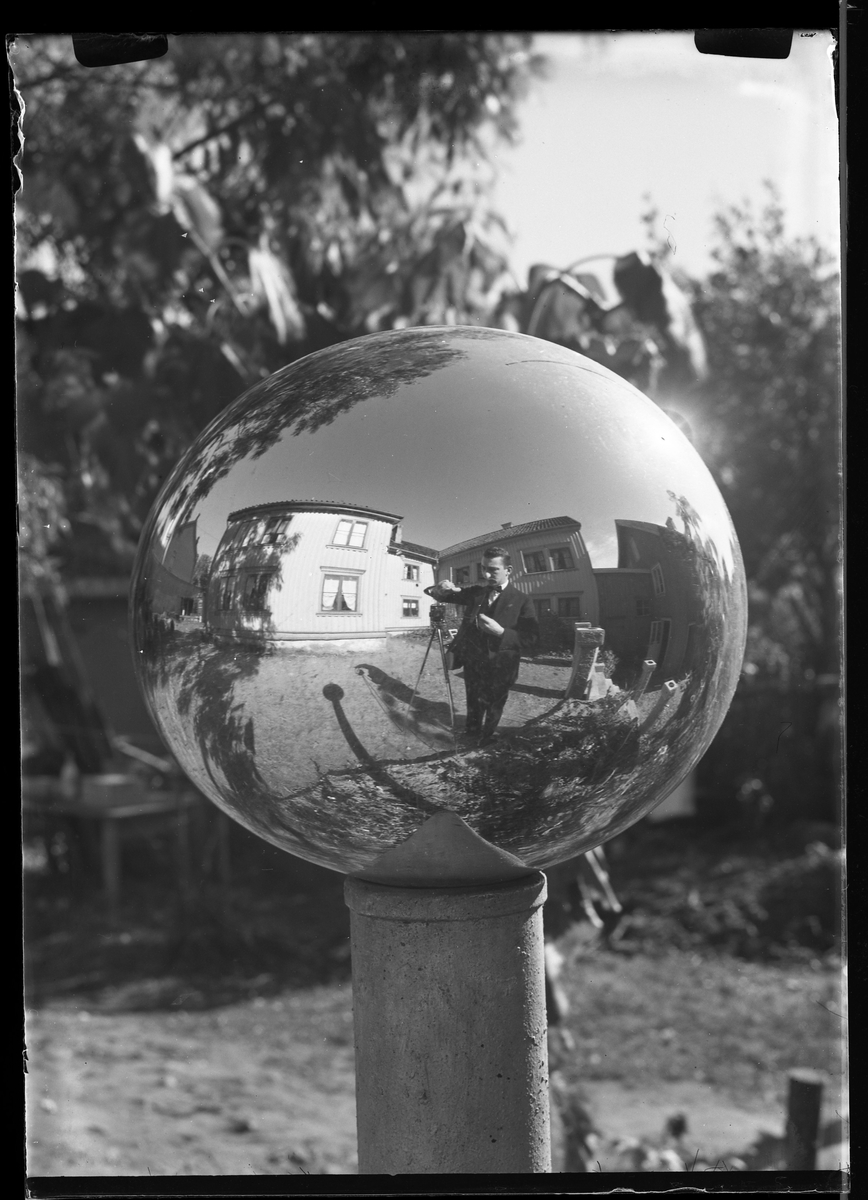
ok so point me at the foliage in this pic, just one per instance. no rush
(191, 223)
(624, 311)
(737, 889)
(767, 421)
(770, 430)
(776, 757)
(42, 521)
(555, 633)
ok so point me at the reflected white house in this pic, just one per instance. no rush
(550, 563)
(312, 570)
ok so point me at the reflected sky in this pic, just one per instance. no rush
(458, 453)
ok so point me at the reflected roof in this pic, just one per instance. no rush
(415, 550)
(645, 526)
(511, 531)
(280, 506)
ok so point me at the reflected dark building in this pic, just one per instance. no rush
(550, 563)
(312, 571)
(647, 606)
(173, 591)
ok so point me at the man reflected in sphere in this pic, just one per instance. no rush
(499, 623)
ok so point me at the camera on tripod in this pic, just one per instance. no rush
(443, 637)
(437, 615)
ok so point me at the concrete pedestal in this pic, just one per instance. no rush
(450, 1027)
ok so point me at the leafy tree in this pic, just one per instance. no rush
(42, 519)
(191, 223)
(767, 422)
(769, 311)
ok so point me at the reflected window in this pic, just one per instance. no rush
(411, 572)
(561, 558)
(227, 589)
(643, 606)
(461, 576)
(657, 580)
(658, 640)
(340, 593)
(543, 607)
(569, 608)
(351, 533)
(256, 590)
(480, 573)
(275, 528)
(410, 608)
(690, 648)
(249, 532)
(534, 561)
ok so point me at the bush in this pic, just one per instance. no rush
(780, 739)
(753, 896)
(555, 633)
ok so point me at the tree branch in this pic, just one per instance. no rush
(60, 73)
(209, 137)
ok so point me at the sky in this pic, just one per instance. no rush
(628, 114)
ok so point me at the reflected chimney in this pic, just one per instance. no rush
(506, 525)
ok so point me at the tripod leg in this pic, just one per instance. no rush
(448, 680)
(422, 668)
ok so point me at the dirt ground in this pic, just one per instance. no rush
(264, 1087)
(267, 1087)
(220, 1042)
(292, 691)
(325, 750)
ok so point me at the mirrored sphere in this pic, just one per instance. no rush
(308, 683)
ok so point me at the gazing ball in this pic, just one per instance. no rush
(297, 667)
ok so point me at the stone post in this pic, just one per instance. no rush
(804, 1102)
(587, 644)
(450, 1027)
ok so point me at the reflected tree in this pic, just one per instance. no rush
(715, 597)
(304, 397)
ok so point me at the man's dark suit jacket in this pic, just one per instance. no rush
(513, 610)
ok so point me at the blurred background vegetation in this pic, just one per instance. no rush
(188, 225)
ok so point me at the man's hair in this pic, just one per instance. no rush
(497, 552)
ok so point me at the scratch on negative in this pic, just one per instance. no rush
(578, 366)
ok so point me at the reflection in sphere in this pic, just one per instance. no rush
(298, 668)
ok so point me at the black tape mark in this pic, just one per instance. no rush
(113, 49)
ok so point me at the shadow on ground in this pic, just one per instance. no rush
(277, 922)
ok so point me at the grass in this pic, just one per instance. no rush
(739, 1026)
